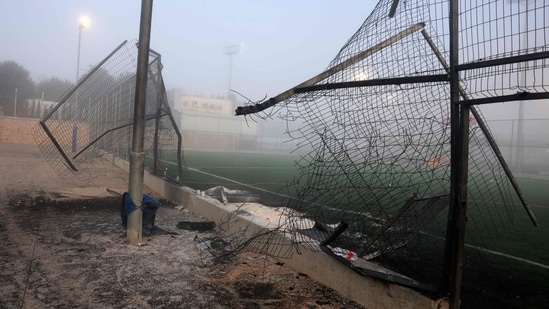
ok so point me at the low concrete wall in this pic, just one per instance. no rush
(17, 130)
(367, 291)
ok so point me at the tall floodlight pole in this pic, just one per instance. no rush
(83, 23)
(519, 158)
(137, 156)
(231, 51)
(15, 103)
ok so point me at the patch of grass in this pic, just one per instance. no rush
(266, 171)
(497, 282)
(490, 281)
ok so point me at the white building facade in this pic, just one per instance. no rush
(208, 123)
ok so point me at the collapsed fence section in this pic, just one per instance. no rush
(95, 117)
(375, 131)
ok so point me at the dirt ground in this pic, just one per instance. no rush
(62, 246)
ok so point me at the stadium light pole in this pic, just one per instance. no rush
(231, 51)
(15, 103)
(519, 158)
(84, 22)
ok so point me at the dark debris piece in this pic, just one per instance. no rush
(200, 226)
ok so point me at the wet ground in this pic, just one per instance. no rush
(62, 246)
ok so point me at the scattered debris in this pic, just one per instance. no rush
(199, 226)
(225, 195)
(210, 243)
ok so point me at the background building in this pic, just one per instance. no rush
(208, 123)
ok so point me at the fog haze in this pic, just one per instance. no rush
(284, 42)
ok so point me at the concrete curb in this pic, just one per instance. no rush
(367, 291)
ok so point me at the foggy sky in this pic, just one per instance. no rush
(285, 42)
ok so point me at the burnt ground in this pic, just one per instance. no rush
(62, 246)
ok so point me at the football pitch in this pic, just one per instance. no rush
(269, 175)
(520, 255)
(264, 174)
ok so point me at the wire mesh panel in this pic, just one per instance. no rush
(96, 115)
(374, 134)
(514, 36)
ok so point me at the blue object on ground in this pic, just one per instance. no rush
(149, 206)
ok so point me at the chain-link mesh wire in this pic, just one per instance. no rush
(375, 164)
(95, 117)
(494, 30)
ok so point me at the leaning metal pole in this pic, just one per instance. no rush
(484, 128)
(245, 110)
(137, 156)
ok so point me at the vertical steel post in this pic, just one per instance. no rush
(455, 233)
(137, 156)
(15, 104)
(519, 166)
(156, 159)
(78, 53)
(158, 89)
(230, 74)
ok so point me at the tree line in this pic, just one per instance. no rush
(21, 96)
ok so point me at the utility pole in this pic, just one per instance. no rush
(519, 159)
(15, 103)
(83, 23)
(137, 156)
(231, 51)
